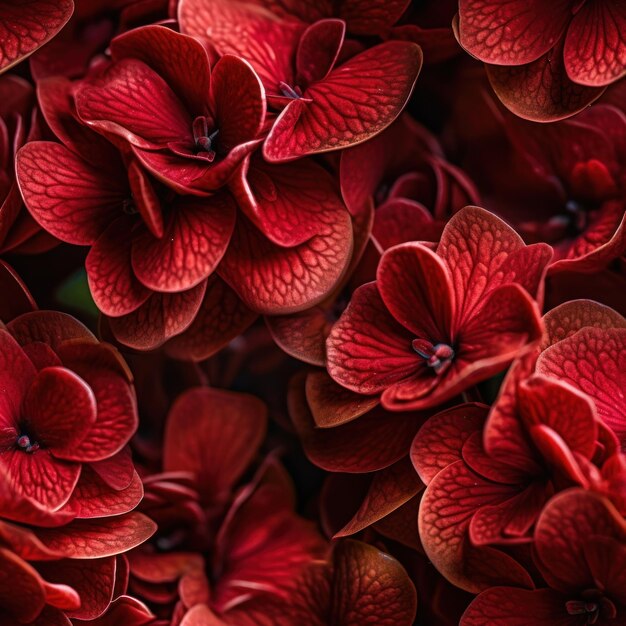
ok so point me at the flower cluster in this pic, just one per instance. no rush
(312, 312)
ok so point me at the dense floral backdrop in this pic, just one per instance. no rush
(311, 312)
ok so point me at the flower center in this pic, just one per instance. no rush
(205, 141)
(295, 93)
(25, 443)
(592, 604)
(437, 356)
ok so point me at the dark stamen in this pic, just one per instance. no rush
(23, 442)
(290, 92)
(437, 356)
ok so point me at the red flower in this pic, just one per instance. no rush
(434, 323)
(580, 545)
(491, 493)
(577, 167)
(188, 125)
(53, 366)
(249, 539)
(326, 104)
(67, 486)
(546, 61)
(373, 587)
(26, 26)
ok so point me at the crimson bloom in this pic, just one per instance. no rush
(248, 539)
(81, 191)
(326, 104)
(581, 553)
(576, 171)
(189, 126)
(67, 486)
(372, 585)
(546, 61)
(434, 323)
(25, 26)
(54, 366)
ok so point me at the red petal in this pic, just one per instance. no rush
(569, 413)
(374, 441)
(595, 46)
(264, 546)
(331, 404)
(368, 350)
(504, 435)
(21, 588)
(163, 567)
(389, 490)
(272, 279)
(94, 498)
(293, 203)
(377, 84)
(426, 306)
(93, 580)
(16, 373)
(57, 105)
(69, 198)
(511, 32)
(194, 176)
(239, 101)
(49, 327)
(508, 606)
(57, 391)
(509, 522)
(222, 317)
(592, 360)
(302, 335)
(39, 476)
(401, 525)
(160, 318)
(235, 28)
(132, 101)
(373, 587)
(569, 317)
(28, 25)
(215, 435)
(193, 243)
(483, 253)
(319, 49)
(181, 61)
(103, 369)
(439, 442)
(400, 220)
(116, 471)
(125, 610)
(541, 91)
(114, 287)
(607, 562)
(449, 502)
(567, 523)
(90, 539)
